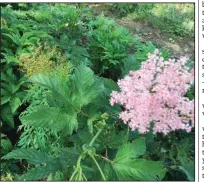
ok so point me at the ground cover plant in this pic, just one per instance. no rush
(83, 99)
(177, 19)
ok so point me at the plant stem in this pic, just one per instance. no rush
(72, 176)
(77, 167)
(95, 137)
(79, 160)
(84, 176)
(104, 158)
(103, 176)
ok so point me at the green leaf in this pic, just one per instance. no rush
(6, 145)
(41, 172)
(139, 169)
(189, 169)
(131, 150)
(45, 164)
(116, 140)
(69, 155)
(54, 83)
(37, 173)
(15, 102)
(7, 115)
(187, 165)
(130, 64)
(5, 99)
(110, 172)
(54, 118)
(109, 85)
(58, 87)
(33, 156)
(129, 168)
(85, 85)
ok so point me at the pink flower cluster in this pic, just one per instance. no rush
(155, 93)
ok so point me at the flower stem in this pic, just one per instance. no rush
(103, 176)
(78, 167)
(95, 137)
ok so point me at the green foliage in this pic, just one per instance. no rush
(64, 103)
(108, 44)
(44, 164)
(174, 19)
(177, 152)
(177, 19)
(140, 10)
(53, 118)
(57, 120)
(123, 8)
(11, 96)
(6, 145)
(127, 167)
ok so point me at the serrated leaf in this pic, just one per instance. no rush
(58, 87)
(41, 172)
(54, 118)
(110, 172)
(131, 150)
(81, 137)
(53, 83)
(116, 140)
(69, 156)
(139, 169)
(33, 156)
(129, 168)
(85, 85)
(45, 164)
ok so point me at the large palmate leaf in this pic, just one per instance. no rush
(82, 90)
(33, 156)
(86, 86)
(59, 88)
(139, 169)
(54, 118)
(40, 172)
(127, 167)
(131, 150)
(45, 164)
(116, 140)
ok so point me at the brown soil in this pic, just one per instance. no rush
(177, 45)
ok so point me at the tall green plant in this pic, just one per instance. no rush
(108, 44)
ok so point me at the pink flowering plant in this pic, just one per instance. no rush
(156, 93)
